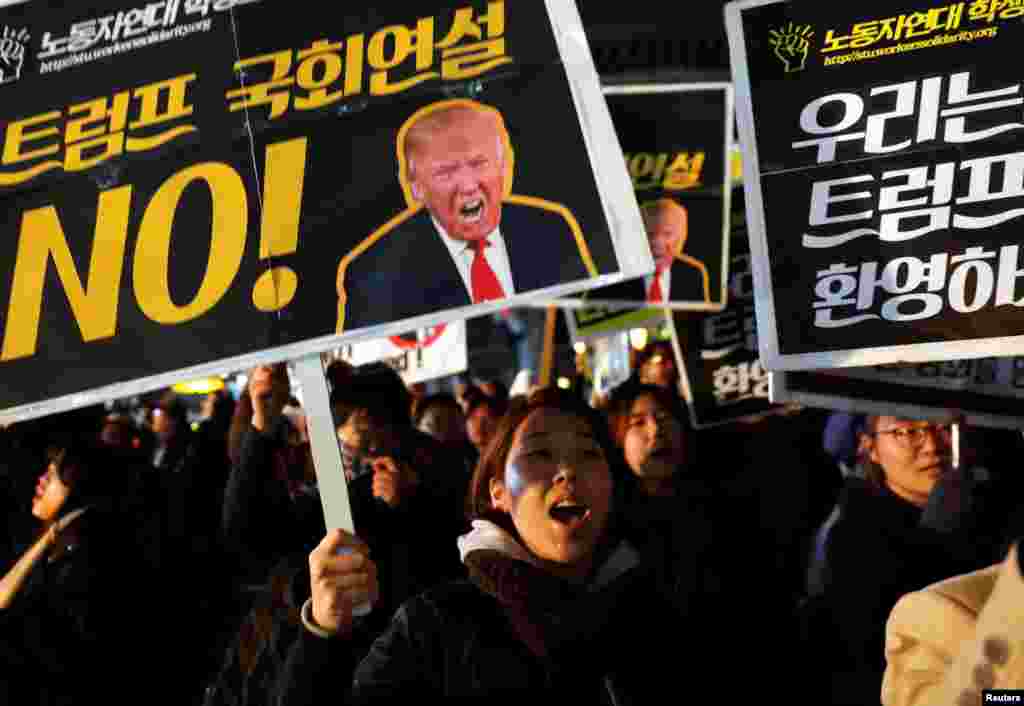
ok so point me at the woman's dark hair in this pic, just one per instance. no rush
(377, 389)
(338, 373)
(442, 400)
(500, 389)
(223, 409)
(496, 405)
(94, 474)
(470, 395)
(495, 455)
(625, 396)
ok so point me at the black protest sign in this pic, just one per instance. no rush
(983, 392)
(677, 144)
(273, 187)
(885, 183)
(720, 353)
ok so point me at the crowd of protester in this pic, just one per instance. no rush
(529, 544)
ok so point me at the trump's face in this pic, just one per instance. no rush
(666, 232)
(457, 172)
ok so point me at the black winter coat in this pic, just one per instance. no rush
(413, 544)
(876, 552)
(87, 609)
(622, 644)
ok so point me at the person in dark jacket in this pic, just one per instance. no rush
(689, 534)
(556, 603)
(672, 509)
(405, 488)
(441, 417)
(72, 603)
(401, 485)
(907, 524)
(270, 510)
(482, 415)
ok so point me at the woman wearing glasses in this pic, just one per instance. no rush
(887, 542)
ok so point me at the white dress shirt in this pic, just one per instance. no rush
(665, 280)
(496, 255)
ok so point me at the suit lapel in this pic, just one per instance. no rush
(430, 263)
(522, 272)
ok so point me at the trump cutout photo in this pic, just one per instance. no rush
(676, 141)
(465, 238)
(677, 276)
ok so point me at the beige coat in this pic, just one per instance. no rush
(947, 642)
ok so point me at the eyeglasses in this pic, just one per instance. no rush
(915, 436)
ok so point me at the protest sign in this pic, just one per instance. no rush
(423, 355)
(273, 187)
(988, 391)
(726, 379)
(677, 143)
(884, 178)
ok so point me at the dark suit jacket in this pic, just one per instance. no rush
(687, 286)
(406, 270)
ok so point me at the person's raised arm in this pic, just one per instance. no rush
(255, 500)
(15, 578)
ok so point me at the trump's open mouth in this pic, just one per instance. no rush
(472, 211)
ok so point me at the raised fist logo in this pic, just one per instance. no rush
(12, 54)
(792, 44)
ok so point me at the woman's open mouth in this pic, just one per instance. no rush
(570, 513)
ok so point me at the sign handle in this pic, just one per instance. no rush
(323, 441)
(548, 356)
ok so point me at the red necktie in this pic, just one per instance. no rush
(654, 293)
(482, 279)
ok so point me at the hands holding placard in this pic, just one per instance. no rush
(342, 575)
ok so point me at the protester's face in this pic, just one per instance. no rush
(51, 493)
(912, 465)
(666, 230)
(557, 487)
(362, 440)
(480, 426)
(659, 369)
(446, 424)
(653, 443)
(458, 173)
